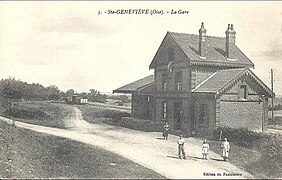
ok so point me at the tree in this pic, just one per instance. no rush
(54, 92)
(12, 90)
(95, 96)
(70, 93)
(83, 95)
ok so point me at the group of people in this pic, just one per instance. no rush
(205, 147)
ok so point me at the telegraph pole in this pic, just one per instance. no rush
(272, 107)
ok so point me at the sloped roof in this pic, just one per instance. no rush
(221, 80)
(147, 90)
(217, 80)
(136, 85)
(215, 51)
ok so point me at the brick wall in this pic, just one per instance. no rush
(180, 63)
(152, 108)
(171, 95)
(242, 114)
(162, 54)
(236, 112)
(140, 106)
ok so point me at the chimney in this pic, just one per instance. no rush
(230, 41)
(202, 41)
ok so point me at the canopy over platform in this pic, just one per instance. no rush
(145, 84)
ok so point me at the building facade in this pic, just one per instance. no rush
(201, 82)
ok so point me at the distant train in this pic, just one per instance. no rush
(76, 99)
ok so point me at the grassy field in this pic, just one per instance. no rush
(98, 114)
(28, 154)
(46, 113)
(91, 113)
(114, 103)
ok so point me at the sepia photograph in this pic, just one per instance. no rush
(140, 90)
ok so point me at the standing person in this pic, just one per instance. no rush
(166, 130)
(181, 142)
(205, 149)
(225, 149)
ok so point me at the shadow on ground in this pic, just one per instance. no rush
(217, 159)
(160, 138)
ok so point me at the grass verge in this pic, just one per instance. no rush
(27, 154)
(92, 114)
(241, 157)
(46, 113)
(262, 160)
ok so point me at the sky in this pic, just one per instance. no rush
(69, 45)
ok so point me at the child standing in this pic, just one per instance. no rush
(205, 149)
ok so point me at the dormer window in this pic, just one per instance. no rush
(243, 91)
(169, 67)
(170, 54)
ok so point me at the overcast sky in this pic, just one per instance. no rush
(69, 45)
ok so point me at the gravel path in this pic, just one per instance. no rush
(146, 148)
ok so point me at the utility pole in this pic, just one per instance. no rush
(272, 107)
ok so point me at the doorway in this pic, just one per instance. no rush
(177, 115)
(193, 120)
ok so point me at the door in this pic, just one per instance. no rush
(177, 115)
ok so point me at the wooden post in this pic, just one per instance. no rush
(272, 106)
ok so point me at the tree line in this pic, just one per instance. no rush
(16, 90)
(12, 89)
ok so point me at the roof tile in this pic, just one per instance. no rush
(218, 80)
(215, 50)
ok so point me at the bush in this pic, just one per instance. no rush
(140, 124)
(271, 158)
(116, 115)
(241, 136)
(120, 103)
(26, 113)
(278, 120)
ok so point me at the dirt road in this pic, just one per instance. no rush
(147, 149)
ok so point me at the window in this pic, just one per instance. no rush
(203, 114)
(169, 67)
(178, 81)
(164, 81)
(164, 110)
(243, 92)
(170, 54)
